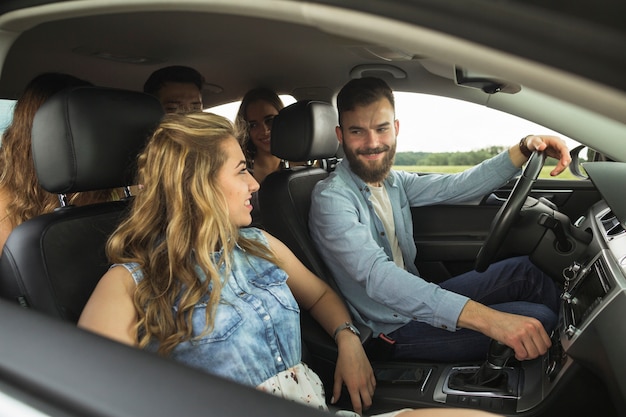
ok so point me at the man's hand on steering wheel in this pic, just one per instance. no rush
(532, 149)
(552, 146)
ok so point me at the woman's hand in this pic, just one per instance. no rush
(355, 371)
(353, 367)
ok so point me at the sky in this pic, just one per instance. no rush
(426, 124)
(6, 113)
(440, 124)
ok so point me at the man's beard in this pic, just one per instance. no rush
(371, 171)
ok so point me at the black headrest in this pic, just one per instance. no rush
(88, 138)
(305, 131)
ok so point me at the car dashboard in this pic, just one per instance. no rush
(592, 327)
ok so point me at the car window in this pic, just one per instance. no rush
(6, 114)
(440, 134)
(229, 110)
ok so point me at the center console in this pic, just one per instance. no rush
(515, 388)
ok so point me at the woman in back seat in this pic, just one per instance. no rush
(254, 120)
(254, 124)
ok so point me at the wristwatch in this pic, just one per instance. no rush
(346, 325)
(523, 147)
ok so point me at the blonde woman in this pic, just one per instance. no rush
(191, 282)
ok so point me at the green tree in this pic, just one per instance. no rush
(448, 158)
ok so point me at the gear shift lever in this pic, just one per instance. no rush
(490, 376)
(498, 354)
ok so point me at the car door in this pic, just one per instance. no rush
(448, 237)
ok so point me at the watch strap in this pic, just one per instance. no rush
(524, 148)
(347, 325)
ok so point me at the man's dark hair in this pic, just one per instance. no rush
(362, 92)
(173, 74)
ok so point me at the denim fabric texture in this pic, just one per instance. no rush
(256, 333)
(351, 239)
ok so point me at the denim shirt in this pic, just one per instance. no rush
(351, 239)
(257, 323)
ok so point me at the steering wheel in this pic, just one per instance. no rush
(509, 211)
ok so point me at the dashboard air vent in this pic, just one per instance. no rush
(612, 226)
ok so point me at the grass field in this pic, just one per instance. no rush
(545, 172)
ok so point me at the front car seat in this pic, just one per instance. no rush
(83, 139)
(303, 131)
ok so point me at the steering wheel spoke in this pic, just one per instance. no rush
(509, 211)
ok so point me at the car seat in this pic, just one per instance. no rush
(303, 131)
(83, 139)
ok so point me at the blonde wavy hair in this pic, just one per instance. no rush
(176, 224)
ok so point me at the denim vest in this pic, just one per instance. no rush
(257, 323)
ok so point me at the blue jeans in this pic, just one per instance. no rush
(513, 285)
